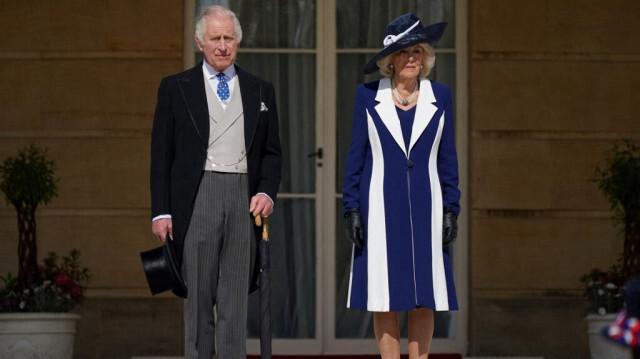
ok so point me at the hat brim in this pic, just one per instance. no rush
(430, 34)
(162, 271)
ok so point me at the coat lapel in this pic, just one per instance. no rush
(424, 111)
(193, 93)
(386, 109)
(251, 108)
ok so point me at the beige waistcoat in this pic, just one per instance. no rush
(226, 151)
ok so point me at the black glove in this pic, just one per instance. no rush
(449, 227)
(355, 227)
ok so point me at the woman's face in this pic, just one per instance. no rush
(407, 62)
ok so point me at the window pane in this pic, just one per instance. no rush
(362, 23)
(272, 23)
(293, 272)
(349, 76)
(291, 74)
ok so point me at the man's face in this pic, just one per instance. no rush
(219, 44)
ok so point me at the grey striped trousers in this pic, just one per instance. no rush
(219, 250)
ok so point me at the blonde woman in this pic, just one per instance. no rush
(400, 197)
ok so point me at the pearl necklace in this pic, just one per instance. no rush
(399, 98)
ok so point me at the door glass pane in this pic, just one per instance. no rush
(361, 24)
(291, 76)
(272, 23)
(293, 222)
(293, 272)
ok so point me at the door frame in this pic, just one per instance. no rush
(326, 53)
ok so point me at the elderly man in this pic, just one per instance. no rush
(215, 162)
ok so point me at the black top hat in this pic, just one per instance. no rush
(161, 268)
(406, 30)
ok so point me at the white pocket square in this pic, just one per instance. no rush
(263, 107)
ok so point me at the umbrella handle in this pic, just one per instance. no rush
(264, 222)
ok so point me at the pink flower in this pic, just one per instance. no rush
(61, 279)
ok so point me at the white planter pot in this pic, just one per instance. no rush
(37, 335)
(600, 347)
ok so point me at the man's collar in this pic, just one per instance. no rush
(230, 71)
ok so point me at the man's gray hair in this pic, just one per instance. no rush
(217, 11)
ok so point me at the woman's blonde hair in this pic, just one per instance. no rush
(386, 66)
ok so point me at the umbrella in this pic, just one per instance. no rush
(264, 279)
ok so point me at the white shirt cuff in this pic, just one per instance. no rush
(162, 216)
(267, 197)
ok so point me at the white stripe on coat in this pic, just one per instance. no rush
(377, 266)
(425, 109)
(386, 109)
(437, 260)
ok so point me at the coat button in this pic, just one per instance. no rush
(409, 163)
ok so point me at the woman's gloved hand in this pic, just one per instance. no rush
(449, 227)
(355, 227)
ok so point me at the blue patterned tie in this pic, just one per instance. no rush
(223, 87)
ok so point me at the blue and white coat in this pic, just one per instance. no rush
(401, 195)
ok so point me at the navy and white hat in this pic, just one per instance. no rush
(406, 30)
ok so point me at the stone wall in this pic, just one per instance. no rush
(552, 84)
(80, 77)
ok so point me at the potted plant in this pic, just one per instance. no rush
(618, 179)
(41, 296)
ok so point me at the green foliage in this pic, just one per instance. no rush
(604, 290)
(59, 287)
(28, 180)
(619, 178)
(9, 300)
(619, 181)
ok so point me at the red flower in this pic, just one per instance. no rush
(61, 279)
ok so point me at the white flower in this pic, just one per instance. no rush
(23, 304)
(602, 311)
(611, 286)
(600, 291)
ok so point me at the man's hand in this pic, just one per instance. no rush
(161, 228)
(261, 205)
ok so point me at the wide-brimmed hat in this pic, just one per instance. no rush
(161, 268)
(625, 329)
(404, 31)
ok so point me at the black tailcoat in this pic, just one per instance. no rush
(180, 137)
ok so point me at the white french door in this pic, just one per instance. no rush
(313, 52)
